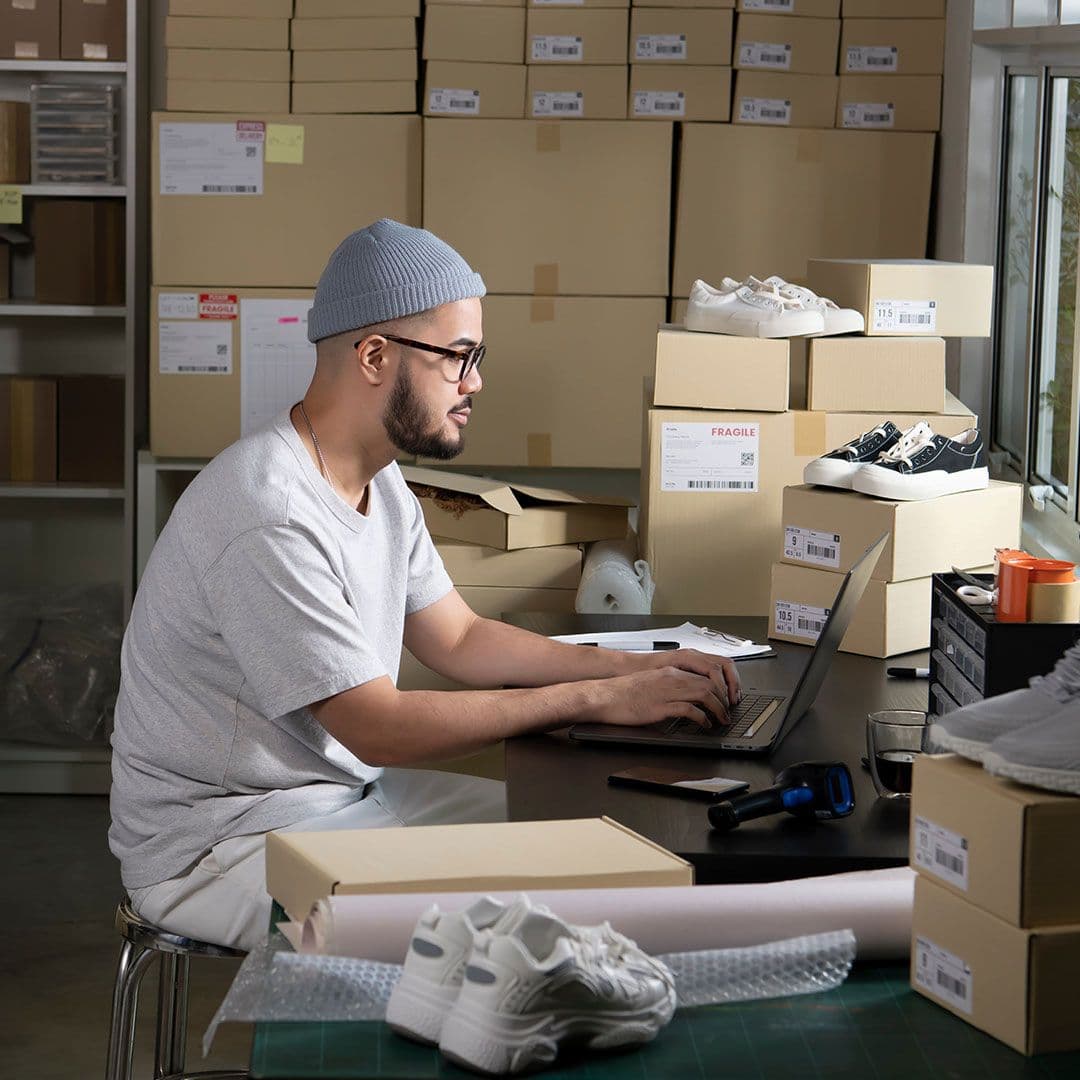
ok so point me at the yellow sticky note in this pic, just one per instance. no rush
(11, 206)
(285, 143)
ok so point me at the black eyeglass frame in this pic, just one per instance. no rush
(470, 358)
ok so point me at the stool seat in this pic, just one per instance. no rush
(142, 943)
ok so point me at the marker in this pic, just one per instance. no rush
(633, 646)
(908, 672)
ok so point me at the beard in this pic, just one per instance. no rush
(413, 428)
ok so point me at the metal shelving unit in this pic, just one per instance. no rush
(32, 309)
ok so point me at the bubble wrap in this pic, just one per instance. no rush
(276, 984)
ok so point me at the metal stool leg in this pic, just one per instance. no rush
(171, 1045)
(132, 965)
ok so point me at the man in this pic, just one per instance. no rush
(258, 669)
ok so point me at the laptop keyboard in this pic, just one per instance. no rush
(742, 717)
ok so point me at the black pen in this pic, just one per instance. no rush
(908, 672)
(633, 646)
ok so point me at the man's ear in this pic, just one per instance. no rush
(372, 359)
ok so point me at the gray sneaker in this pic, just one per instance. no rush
(1045, 755)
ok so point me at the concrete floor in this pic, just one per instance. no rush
(59, 890)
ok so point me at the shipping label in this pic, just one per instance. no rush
(218, 306)
(765, 54)
(943, 974)
(211, 159)
(941, 852)
(905, 316)
(670, 103)
(873, 58)
(769, 5)
(563, 47)
(660, 47)
(799, 620)
(812, 546)
(175, 305)
(754, 110)
(866, 114)
(559, 103)
(709, 457)
(454, 102)
(195, 348)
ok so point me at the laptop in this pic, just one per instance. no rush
(763, 717)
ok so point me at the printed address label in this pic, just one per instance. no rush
(873, 58)
(764, 110)
(865, 114)
(812, 546)
(456, 102)
(709, 457)
(660, 47)
(558, 103)
(659, 103)
(562, 47)
(911, 316)
(941, 852)
(765, 54)
(799, 620)
(943, 974)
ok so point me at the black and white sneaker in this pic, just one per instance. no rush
(923, 465)
(838, 467)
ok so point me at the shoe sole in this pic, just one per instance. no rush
(418, 1007)
(946, 742)
(885, 484)
(703, 322)
(1063, 780)
(828, 473)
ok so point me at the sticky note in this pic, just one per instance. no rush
(11, 211)
(285, 144)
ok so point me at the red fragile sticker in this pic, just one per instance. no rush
(250, 131)
(218, 305)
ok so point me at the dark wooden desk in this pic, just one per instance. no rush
(549, 776)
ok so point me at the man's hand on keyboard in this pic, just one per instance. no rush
(718, 668)
(664, 692)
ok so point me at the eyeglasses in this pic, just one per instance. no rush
(470, 358)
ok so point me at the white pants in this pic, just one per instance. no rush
(223, 899)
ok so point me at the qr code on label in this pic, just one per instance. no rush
(250, 151)
(223, 350)
(747, 458)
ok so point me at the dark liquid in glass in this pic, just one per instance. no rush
(894, 768)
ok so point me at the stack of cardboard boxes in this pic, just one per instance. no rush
(63, 29)
(996, 927)
(898, 364)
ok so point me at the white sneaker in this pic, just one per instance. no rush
(1044, 755)
(750, 311)
(837, 320)
(527, 992)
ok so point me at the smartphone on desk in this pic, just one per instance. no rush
(676, 782)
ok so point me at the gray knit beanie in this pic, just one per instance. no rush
(387, 271)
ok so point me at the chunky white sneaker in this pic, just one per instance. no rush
(750, 311)
(528, 992)
(838, 320)
(435, 963)
(838, 467)
(1045, 755)
(923, 465)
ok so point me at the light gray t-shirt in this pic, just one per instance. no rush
(265, 593)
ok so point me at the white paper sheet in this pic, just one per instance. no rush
(688, 636)
(195, 347)
(276, 359)
(875, 904)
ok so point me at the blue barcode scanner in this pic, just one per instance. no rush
(811, 789)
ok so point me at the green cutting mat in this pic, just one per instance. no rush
(874, 1027)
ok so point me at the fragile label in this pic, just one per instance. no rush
(458, 102)
(564, 47)
(660, 47)
(764, 110)
(173, 305)
(812, 546)
(709, 457)
(218, 306)
(765, 54)
(864, 114)
(195, 348)
(211, 159)
(943, 974)
(873, 58)
(769, 5)
(918, 316)
(659, 103)
(941, 852)
(558, 103)
(799, 620)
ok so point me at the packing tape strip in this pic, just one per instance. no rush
(548, 137)
(809, 434)
(1050, 602)
(546, 279)
(808, 149)
(538, 450)
(542, 309)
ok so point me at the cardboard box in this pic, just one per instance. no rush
(354, 97)
(925, 537)
(548, 568)
(729, 4)
(95, 229)
(720, 371)
(488, 35)
(508, 516)
(681, 35)
(302, 867)
(893, 9)
(858, 188)
(557, 35)
(93, 29)
(491, 601)
(568, 389)
(272, 240)
(30, 32)
(893, 617)
(680, 92)
(474, 3)
(576, 3)
(893, 102)
(910, 296)
(778, 43)
(818, 432)
(1014, 984)
(343, 9)
(228, 65)
(362, 33)
(192, 32)
(237, 9)
(769, 97)
(998, 844)
(31, 434)
(14, 142)
(345, 65)
(459, 88)
(198, 95)
(90, 429)
(864, 374)
(818, 9)
(543, 209)
(893, 46)
(577, 92)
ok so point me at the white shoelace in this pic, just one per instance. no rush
(910, 443)
(852, 448)
(799, 292)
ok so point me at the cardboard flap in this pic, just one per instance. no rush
(497, 495)
(556, 495)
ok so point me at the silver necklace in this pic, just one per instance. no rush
(323, 468)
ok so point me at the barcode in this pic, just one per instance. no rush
(878, 61)
(773, 58)
(566, 106)
(953, 986)
(813, 625)
(721, 485)
(950, 862)
(229, 189)
(820, 551)
(669, 106)
(211, 368)
(463, 103)
(876, 117)
(564, 50)
(778, 113)
(918, 319)
(674, 50)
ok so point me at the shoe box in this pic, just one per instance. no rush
(341, 65)
(892, 47)
(464, 89)
(889, 102)
(341, 9)
(237, 9)
(804, 46)
(680, 92)
(576, 92)
(909, 296)
(893, 9)
(558, 35)
(367, 32)
(852, 373)
(481, 34)
(303, 867)
(30, 31)
(687, 35)
(225, 32)
(195, 95)
(777, 98)
(375, 96)
(228, 65)
(817, 9)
